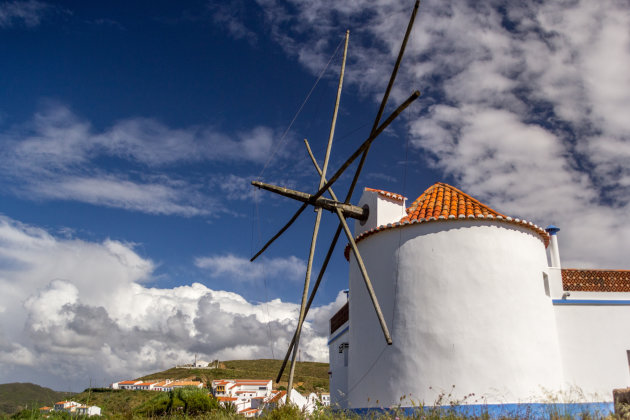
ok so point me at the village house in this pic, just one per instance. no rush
(156, 385)
(74, 408)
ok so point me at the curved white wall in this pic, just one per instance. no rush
(466, 304)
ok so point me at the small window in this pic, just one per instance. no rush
(628, 354)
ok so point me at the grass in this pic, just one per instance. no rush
(19, 396)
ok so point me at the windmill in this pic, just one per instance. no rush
(343, 209)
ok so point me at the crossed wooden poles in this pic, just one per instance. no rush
(343, 209)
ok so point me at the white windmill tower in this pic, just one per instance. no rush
(343, 209)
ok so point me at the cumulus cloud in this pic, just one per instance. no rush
(57, 155)
(73, 310)
(28, 13)
(241, 269)
(525, 105)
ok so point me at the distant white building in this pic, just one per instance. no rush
(84, 410)
(472, 300)
(247, 395)
(279, 398)
(68, 406)
(125, 384)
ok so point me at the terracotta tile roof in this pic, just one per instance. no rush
(577, 280)
(185, 383)
(276, 397)
(220, 382)
(387, 194)
(227, 398)
(442, 202)
(248, 410)
(252, 382)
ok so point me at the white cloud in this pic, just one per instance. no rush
(152, 198)
(29, 13)
(241, 269)
(526, 104)
(58, 156)
(57, 138)
(74, 310)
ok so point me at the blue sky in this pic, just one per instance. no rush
(129, 134)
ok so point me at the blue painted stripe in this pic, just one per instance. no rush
(589, 302)
(496, 411)
(337, 335)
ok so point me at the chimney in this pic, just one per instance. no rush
(553, 245)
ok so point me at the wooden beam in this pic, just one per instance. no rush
(348, 210)
(366, 144)
(311, 255)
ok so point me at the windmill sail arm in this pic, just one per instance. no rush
(366, 144)
(348, 210)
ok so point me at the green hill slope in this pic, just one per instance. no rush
(18, 396)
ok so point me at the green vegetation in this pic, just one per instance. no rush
(309, 376)
(19, 396)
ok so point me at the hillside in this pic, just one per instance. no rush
(17, 396)
(309, 376)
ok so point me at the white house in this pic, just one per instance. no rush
(247, 395)
(84, 410)
(473, 306)
(125, 384)
(248, 388)
(69, 406)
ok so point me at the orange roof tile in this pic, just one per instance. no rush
(252, 381)
(577, 280)
(276, 397)
(442, 202)
(248, 410)
(227, 398)
(387, 194)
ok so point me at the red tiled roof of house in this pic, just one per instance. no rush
(185, 383)
(220, 382)
(127, 382)
(387, 194)
(578, 280)
(276, 397)
(227, 398)
(252, 381)
(248, 411)
(442, 202)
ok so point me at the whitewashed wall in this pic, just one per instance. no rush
(467, 306)
(383, 210)
(338, 380)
